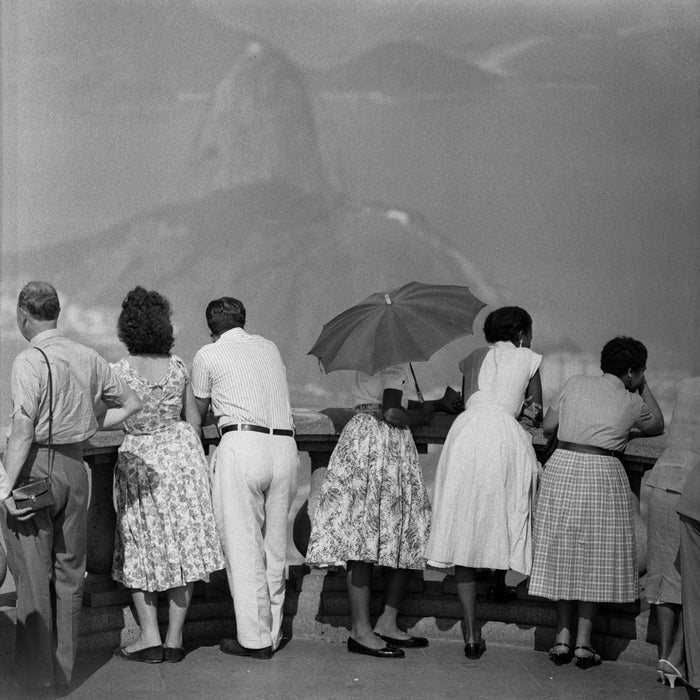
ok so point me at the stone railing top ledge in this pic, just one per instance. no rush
(319, 426)
(306, 422)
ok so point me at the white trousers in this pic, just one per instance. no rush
(254, 478)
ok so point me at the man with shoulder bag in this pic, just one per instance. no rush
(57, 385)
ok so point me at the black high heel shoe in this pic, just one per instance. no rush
(559, 658)
(475, 650)
(590, 660)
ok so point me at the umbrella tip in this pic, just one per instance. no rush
(387, 299)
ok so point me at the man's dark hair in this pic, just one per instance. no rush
(224, 314)
(623, 353)
(507, 323)
(144, 324)
(40, 301)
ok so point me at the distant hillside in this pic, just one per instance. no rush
(259, 126)
(293, 273)
(258, 219)
(650, 62)
(403, 68)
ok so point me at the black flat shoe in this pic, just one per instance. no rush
(410, 643)
(590, 660)
(388, 652)
(149, 655)
(559, 658)
(173, 655)
(231, 646)
(475, 650)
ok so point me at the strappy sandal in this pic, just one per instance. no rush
(671, 674)
(588, 661)
(559, 658)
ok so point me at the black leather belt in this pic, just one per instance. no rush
(256, 429)
(588, 449)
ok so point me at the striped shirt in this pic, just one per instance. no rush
(245, 379)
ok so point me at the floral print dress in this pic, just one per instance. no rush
(166, 535)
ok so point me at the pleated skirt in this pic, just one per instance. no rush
(583, 535)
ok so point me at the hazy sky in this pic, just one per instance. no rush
(565, 172)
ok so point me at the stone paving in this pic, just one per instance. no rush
(317, 669)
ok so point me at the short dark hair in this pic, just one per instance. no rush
(224, 314)
(507, 323)
(40, 301)
(621, 354)
(144, 324)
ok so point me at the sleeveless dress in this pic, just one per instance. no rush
(483, 483)
(165, 535)
(373, 505)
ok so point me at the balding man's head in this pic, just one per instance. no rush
(40, 301)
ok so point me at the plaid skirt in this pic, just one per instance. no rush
(583, 535)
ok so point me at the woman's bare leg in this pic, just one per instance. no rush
(394, 592)
(178, 602)
(146, 604)
(359, 581)
(465, 578)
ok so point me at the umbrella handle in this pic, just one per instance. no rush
(415, 381)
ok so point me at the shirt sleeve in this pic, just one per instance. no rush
(201, 380)
(5, 489)
(646, 418)
(26, 388)
(114, 389)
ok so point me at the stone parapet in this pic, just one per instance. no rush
(317, 602)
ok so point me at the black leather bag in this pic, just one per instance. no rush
(36, 493)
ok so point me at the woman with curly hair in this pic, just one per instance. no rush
(483, 483)
(166, 537)
(584, 544)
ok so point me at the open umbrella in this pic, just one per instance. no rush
(407, 324)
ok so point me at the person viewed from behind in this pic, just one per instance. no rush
(484, 479)
(57, 385)
(374, 509)
(242, 378)
(688, 508)
(166, 537)
(664, 485)
(584, 544)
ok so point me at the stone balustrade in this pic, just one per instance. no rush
(316, 434)
(316, 603)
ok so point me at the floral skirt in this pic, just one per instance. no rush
(166, 535)
(373, 506)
